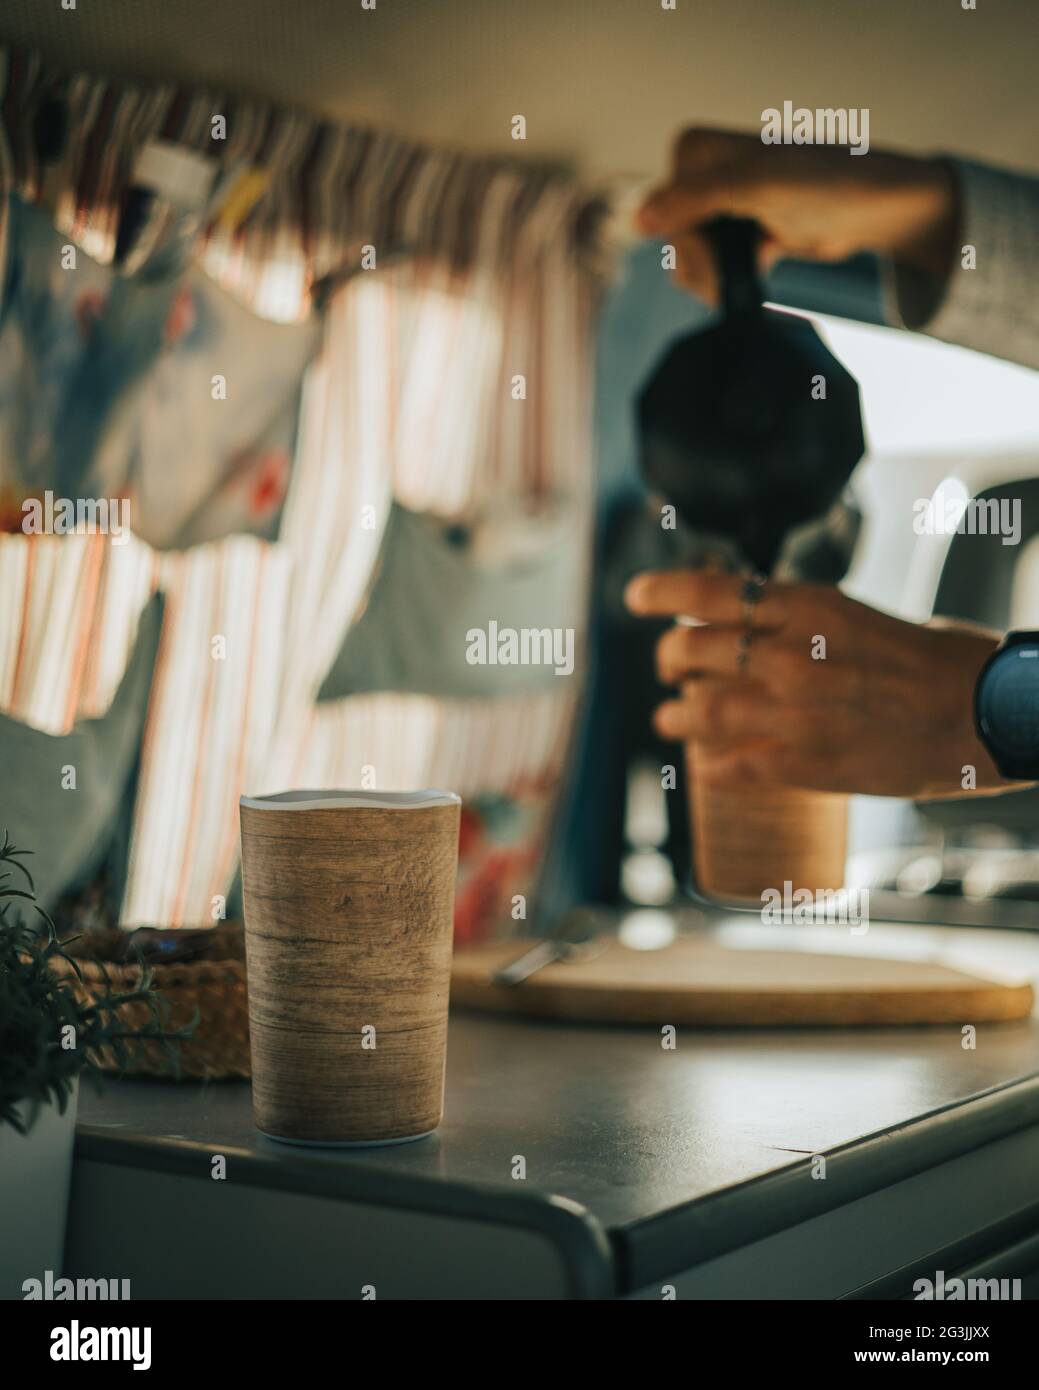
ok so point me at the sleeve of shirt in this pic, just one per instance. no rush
(990, 301)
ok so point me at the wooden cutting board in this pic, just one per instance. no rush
(695, 980)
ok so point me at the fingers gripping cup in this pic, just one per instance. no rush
(349, 901)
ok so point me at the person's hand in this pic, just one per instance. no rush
(813, 202)
(833, 695)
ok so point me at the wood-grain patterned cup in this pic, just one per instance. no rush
(349, 901)
(748, 838)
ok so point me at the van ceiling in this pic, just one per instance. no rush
(602, 83)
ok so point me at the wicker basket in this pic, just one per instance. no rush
(208, 980)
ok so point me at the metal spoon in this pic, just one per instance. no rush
(575, 937)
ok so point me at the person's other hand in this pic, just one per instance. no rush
(813, 202)
(834, 696)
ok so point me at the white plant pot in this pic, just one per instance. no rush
(35, 1171)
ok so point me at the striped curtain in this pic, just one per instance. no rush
(484, 273)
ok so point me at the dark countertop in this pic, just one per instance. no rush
(697, 1145)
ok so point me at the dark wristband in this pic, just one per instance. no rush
(1006, 706)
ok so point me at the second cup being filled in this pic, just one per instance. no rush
(349, 902)
(749, 839)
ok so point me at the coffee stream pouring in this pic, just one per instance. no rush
(751, 426)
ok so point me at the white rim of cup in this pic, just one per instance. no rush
(341, 800)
